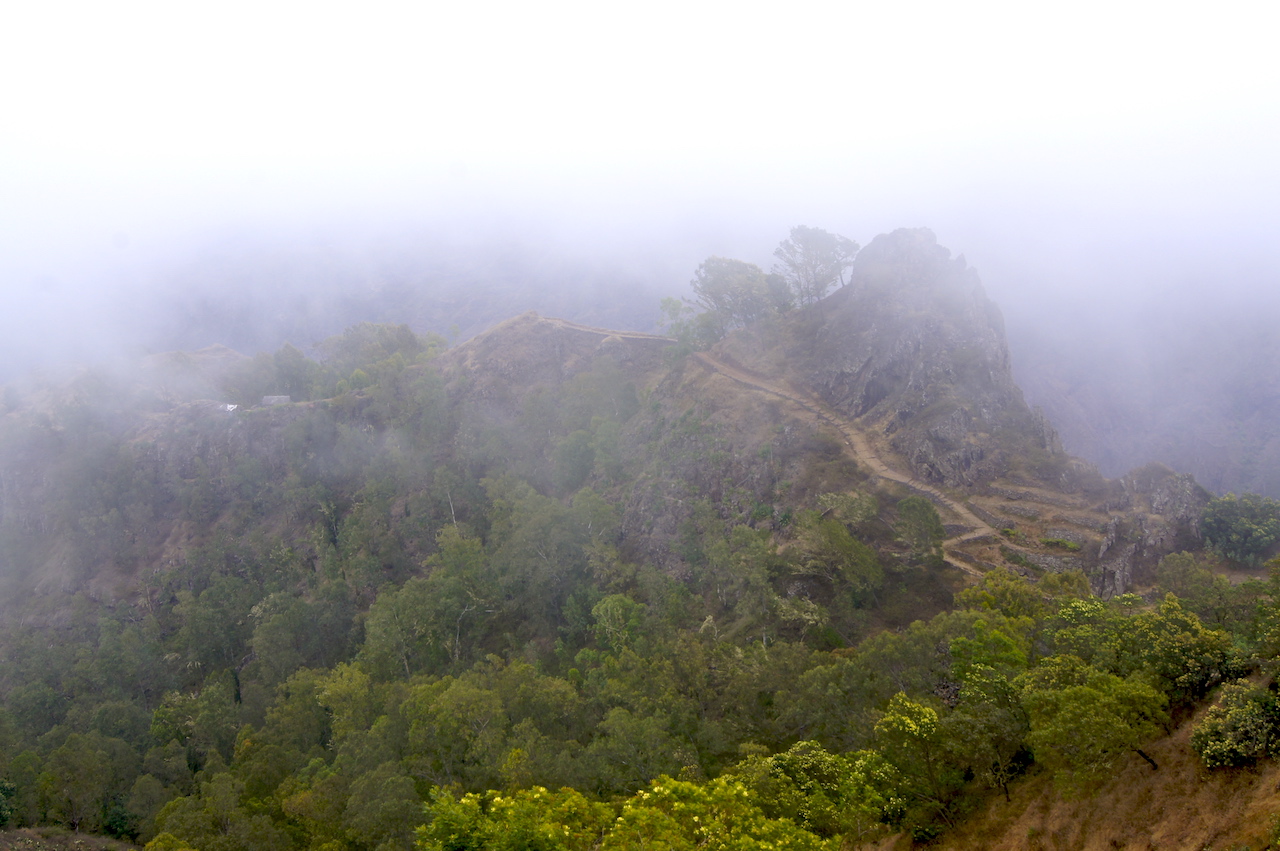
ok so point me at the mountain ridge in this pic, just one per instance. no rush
(907, 366)
(562, 555)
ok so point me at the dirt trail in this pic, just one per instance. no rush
(861, 451)
(855, 441)
(605, 332)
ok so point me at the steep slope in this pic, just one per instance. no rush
(907, 370)
(912, 349)
(910, 362)
(1182, 805)
(860, 451)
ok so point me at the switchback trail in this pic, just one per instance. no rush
(856, 444)
(860, 450)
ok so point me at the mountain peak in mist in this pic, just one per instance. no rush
(914, 350)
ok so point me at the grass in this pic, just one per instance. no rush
(1182, 805)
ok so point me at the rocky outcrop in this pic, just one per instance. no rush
(914, 356)
(1155, 512)
(914, 348)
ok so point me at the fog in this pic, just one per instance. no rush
(248, 175)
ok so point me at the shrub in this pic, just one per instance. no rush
(1241, 728)
(1241, 528)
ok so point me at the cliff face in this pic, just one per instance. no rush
(912, 348)
(913, 355)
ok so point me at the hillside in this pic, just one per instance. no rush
(1182, 805)
(910, 360)
(830, 574)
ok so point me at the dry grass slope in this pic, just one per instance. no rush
(1180, 806)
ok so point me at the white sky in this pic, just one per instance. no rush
(987, 121)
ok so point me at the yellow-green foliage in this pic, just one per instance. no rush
(720, 814)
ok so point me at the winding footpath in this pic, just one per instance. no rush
(855, 442)
(605, 332)
(860, 450)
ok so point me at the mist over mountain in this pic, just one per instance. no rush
(289, 602)
(349, 500)
(1184, 377)
(255, 297)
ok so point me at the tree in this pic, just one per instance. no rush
(921, 529)
(824, 547)
(217, 820)
(383, 809)
(913, 739)
(1241, 528)
(1003, 591)
(1212, 596)
(1181, 657)
(7, 793)
(1084, 720)
(618, 619)
(146, 798)
(989, 726)
(1168, 645)
(430, 621)
(75, 782)
(734, 573)
(693, 329)
(529, 818)
(852, 796)
(457, 729)
(735, 292)
(630, 750)
(722, 813)
(812, 260)
(575, 459)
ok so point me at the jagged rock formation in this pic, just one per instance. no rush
(914, 355)
(914, 349)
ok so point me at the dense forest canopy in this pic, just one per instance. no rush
(531, 591)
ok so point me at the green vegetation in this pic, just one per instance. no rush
(402, 612)
(1241, 528)
(736, 294)
(811, 261)
(920, 528)
(1240, 729)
